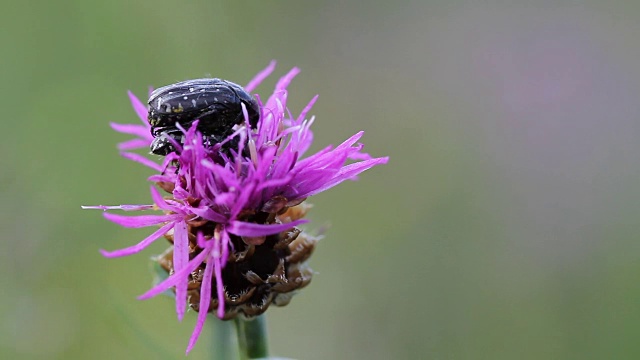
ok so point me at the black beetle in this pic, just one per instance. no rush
(216, 103)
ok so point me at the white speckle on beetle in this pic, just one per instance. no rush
(191, 89)
(193, 102)
(184, 98)
(215, 99)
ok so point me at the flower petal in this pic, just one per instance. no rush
(173, 280)
(139, 107)
(205, 301)
(142, 160)
(141, 220)
(180, 259)
(219, 262)
(133, 129)
(141, 245)
(346, 173)
(208, 214)
(243, 228)
(134, 144)
(161, 202)
(119, 207)
(258, 79)
(284, 81)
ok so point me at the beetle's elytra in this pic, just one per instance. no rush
(215, 102)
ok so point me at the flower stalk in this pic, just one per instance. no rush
(252, 337)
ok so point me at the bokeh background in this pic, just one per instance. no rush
(505, 225)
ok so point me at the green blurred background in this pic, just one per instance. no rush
(505, 225)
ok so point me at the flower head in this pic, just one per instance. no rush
(233, 209)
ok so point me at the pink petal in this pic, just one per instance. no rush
(142, 160)
(180, 259)
(284, 81)
(347, 173)
(241, 201)
(174, 279)
(141, 220)
(218, 265)
(350, 141)
(134, 144)
(205, 300)
(257, 80)
(161, 178)
(161, 202)
(307, 108)
(360, 156)
(226, 244)
(242, 228)
(139, 107)
(274, 183)
(201, 241)
(138, 130)
(309, 181)
(141, 245)
(208, 214)
(119, 207)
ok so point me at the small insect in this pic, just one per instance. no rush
(216, 103)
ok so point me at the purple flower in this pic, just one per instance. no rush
(232, 214)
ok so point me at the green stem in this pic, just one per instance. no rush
(224, 346)
(252, 338)
(242, 340)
